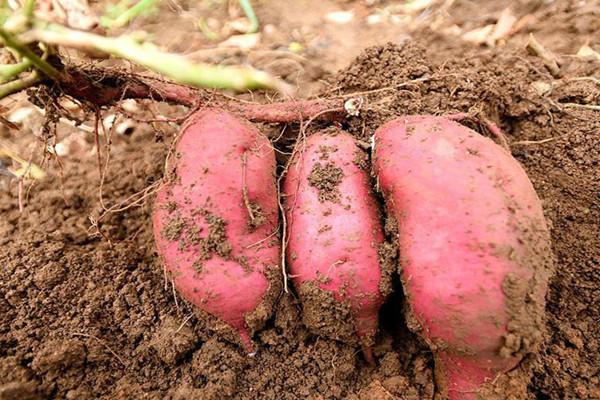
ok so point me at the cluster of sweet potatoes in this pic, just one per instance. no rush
(473, 245)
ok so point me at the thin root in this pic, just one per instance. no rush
(97, 142)
(489, 125)
(184, 322)
(175, 296)
(530, 142)
(245, 189)
(284, 233)
(582, 106)
(107, 347)
(20, 185)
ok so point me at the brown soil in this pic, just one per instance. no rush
(325, 316)
(84, 318)
(326, 178)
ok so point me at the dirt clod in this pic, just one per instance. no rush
(258, 216)
(173, 340)
(326, 316)
(326, 178)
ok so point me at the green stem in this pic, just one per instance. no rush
(172, 65)
(249, 11)
(206, 31)
(130, 14)
(10, 71)
(19, 84)
(28, 8)
(26, 52)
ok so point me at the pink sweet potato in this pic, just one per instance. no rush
(215, 223)
(334, 236)
(474, 248)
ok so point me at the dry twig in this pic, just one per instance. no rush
(548, 58)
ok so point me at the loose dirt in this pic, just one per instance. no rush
(84, 318)
(326, 179)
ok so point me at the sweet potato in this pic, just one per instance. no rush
(334, 234)
(474, 248)
(215, 223)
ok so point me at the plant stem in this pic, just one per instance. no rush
(28, 8)
(104, 87)
(10, 71)
(172, 65)
(19, 84)
(249, 11)
(26, 52)
(206, 31)
(26, 169)
(130, 14)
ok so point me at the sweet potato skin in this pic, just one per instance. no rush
(334, 234)
(221, 259)
(474, 247)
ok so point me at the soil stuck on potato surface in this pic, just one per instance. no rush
(85, 318)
